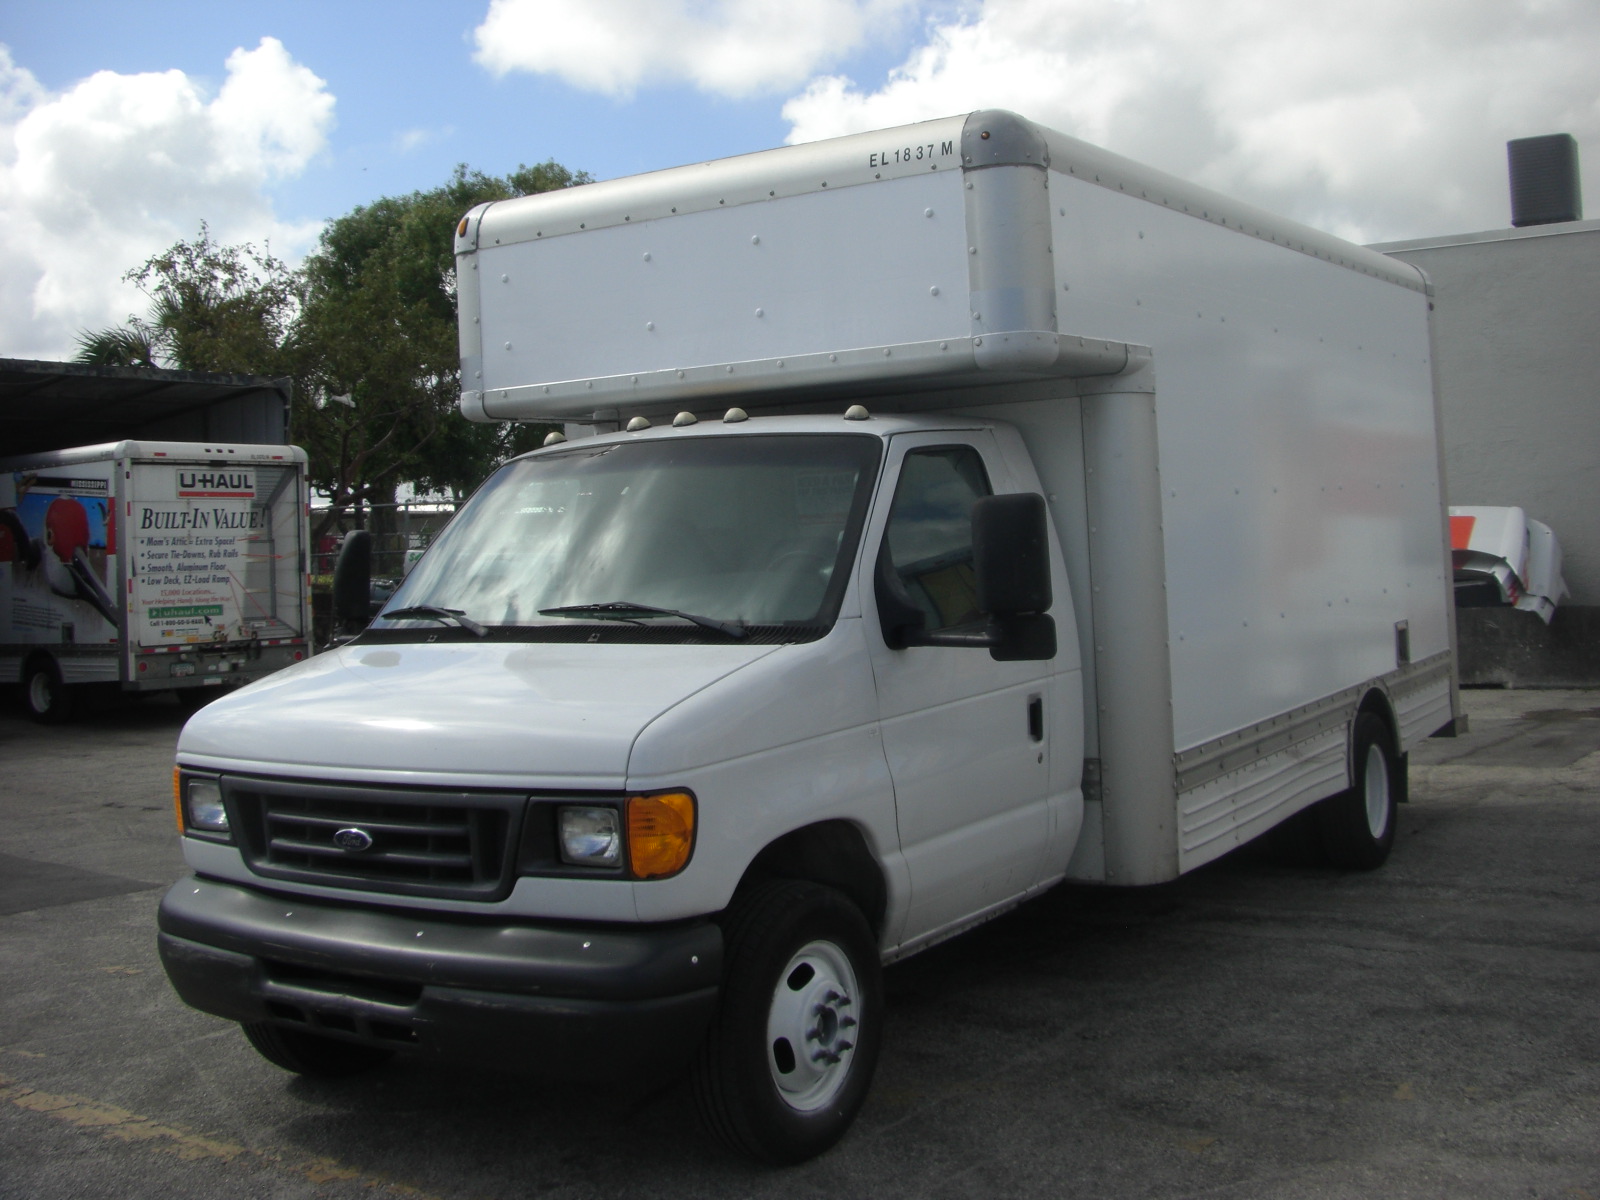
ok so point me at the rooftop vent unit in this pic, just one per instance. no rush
(1544, 180)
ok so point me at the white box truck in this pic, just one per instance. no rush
(958, 510)
(151, 566)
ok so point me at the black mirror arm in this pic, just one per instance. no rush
(904, 624)
(991, 635)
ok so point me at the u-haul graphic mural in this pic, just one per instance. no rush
(56, 542)
(201, 541)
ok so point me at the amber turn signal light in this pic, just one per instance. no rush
(660, 833)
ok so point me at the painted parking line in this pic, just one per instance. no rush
(119, 1123)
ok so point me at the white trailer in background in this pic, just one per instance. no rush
(964, 509)
(151, 566)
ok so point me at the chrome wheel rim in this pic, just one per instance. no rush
(1377, 791)
(811, 1026)
(39, 692)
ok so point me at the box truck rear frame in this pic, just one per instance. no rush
(143, 566)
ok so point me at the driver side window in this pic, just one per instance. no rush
(929, 535)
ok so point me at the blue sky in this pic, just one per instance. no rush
(125, 123)
(411, 103)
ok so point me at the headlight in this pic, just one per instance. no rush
(590, 836)
(646, 835)
(202, 806)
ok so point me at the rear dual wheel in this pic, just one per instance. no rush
(1357, 827)
(790, 1055)
(49, 699)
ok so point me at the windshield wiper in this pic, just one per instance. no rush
(447, 615)
(622, 610)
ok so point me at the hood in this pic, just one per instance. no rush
(565, 715)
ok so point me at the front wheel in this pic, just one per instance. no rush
(1357, 826)
(311, 1054)
(789, 1058)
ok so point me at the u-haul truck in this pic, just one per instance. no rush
(945, 513)
(149, 566)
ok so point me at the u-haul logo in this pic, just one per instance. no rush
(234, 484)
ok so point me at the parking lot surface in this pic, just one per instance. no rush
(1261, 1028)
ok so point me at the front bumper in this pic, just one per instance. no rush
(563, 1000)
(201, 665)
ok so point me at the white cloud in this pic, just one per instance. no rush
(734, 48)
(96, 179)
(1369, 118)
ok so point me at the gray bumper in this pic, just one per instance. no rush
(208, 667)
(595, 1001)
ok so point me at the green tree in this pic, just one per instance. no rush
(212, 308)
(378, 330)
(120, 346)
(365, 327)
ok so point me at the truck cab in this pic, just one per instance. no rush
(642, 677)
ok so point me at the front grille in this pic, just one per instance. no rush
(409, 841)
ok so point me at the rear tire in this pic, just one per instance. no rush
(50, 701)
(310, 1054)
(1357, 827)
(790, 1055)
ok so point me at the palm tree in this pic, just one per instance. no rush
(212, 308)
(130, 345)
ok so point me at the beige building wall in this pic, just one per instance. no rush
(1517, 339)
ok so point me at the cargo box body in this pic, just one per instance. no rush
(1249, 400)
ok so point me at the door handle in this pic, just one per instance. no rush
(1036, 718)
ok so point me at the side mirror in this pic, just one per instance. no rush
(1011, 572)
(1011, 559)
(352, 583)
(1011, 554)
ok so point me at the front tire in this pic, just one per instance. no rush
(790, 1055)
(310, 1054)
(1357, 826)
(50, 701)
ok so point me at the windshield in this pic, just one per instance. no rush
(709, 536)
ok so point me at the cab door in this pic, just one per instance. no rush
(965, 736)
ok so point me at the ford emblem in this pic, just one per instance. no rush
(353, 840)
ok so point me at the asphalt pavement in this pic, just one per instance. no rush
(1261, 1028)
